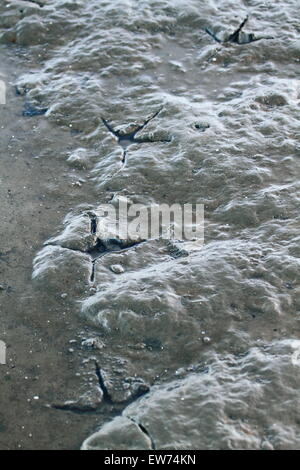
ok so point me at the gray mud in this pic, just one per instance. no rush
(152, 343)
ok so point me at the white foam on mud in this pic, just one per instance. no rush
(227, 137)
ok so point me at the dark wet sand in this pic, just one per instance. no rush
(37, 330)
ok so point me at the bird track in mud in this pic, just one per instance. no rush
(235, 37)
(100, 248)
(107, 399)
(125, 139)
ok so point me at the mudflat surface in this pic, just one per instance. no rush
(35, 192)
(160, 344)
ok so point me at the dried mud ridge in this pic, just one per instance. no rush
(144, 431)
(127, 138)
(236, 38)
(37, 2)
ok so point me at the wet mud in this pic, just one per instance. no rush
(150, 343)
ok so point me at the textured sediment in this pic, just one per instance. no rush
(162, 328)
